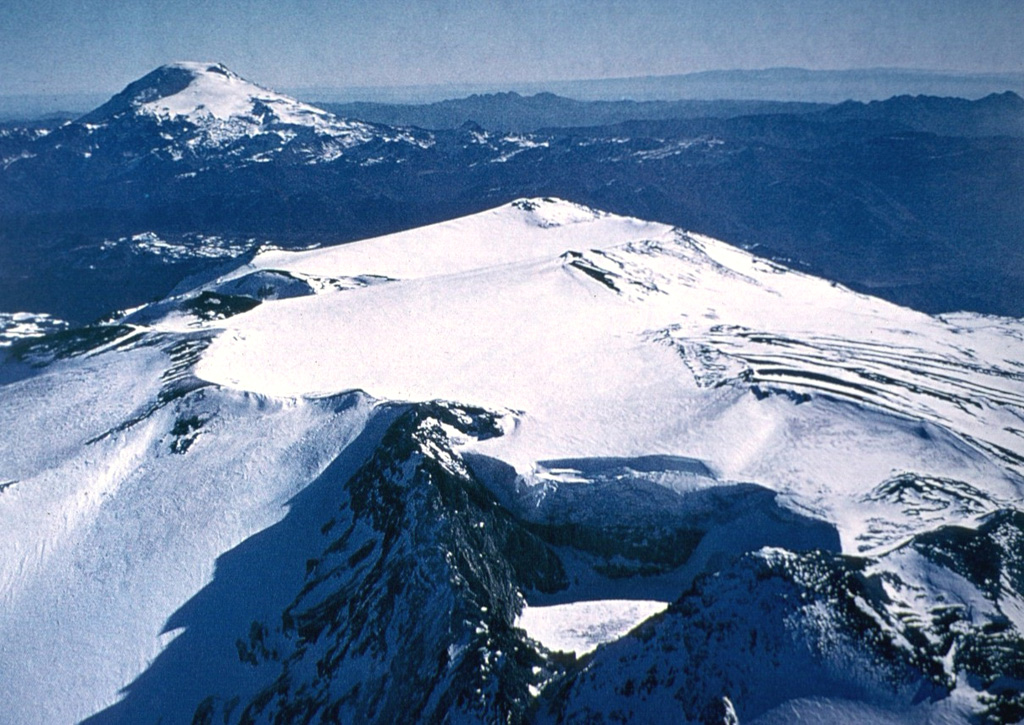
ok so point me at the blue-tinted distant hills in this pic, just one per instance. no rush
(510, 111)
(799, 84)
(997, 114)
(775, 84)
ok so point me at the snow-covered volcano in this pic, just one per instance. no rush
(209, 95)
(615, 337)
(186, 109)
(388, 479)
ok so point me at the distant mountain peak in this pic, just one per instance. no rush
(1005, 100)
(210, 90)
(164, 82)
(205, 92)
(212, 106)
(199, 67)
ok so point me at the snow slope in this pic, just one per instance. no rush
(256, 478)
(216, 94)
(216, 91)
(608, 336)
(109, 528)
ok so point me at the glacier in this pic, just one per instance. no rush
(348, 482)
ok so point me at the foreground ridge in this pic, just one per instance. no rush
(542, 463)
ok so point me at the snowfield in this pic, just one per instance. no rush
(609, 336)
(580, 627)
(439, 456)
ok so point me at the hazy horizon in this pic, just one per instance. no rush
(94, 46)
(768, 84)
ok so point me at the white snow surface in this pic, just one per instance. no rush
(580, 627)
(19, 325)
(594, 335)
(107, 531)
(526, 231)
(504, 310)
(226, 107)
(216, 92)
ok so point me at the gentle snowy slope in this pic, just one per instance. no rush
(526, 230)
(611, 337)
(257, 480)
(116, 511)
(216, 91)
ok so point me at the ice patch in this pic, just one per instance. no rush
(581, 627)
(20, 325)
(192, 246)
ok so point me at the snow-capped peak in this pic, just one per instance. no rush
(213, 98)
(209, 89)
(213, 91)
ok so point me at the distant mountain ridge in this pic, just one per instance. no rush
(916, 199)
(820, 86)
(997, 114)
(771, 84)
(512, 112)
(766, 84)
(994, 115)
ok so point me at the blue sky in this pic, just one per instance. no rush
(60, 46)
